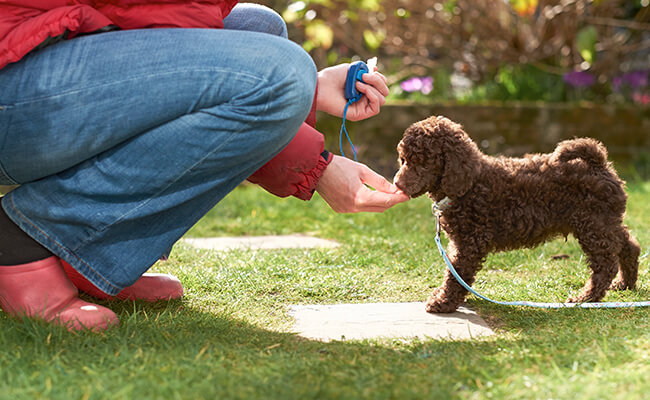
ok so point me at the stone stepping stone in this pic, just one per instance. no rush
(385, 320)
(260, 242)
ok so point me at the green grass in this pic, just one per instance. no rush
(227, 338)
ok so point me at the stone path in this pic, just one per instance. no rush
(356, 321)
(385, 320)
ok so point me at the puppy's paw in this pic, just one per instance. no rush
(582, 298)
(435, 308)
(575, 299)
(619, 284)
(440, 304)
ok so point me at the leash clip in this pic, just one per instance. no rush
(436, 211)
(437, 208)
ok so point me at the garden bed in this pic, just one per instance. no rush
(511, 129)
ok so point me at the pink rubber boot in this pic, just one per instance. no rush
(150, 287)
(41, 289)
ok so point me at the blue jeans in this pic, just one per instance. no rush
(121, 141)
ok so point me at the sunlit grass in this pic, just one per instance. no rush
(228, 337)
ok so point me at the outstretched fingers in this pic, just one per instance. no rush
(383, 197)
(350, 187)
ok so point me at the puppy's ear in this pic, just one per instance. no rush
(462, 159)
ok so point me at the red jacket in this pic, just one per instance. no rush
(25, 24)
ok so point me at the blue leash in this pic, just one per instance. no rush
(354, 152)
(437, 211)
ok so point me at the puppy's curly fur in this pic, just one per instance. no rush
(501, 203)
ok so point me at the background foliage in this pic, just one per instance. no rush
(552, 50)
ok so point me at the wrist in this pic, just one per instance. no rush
(320, 82)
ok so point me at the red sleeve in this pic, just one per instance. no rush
(297, 168)
(139, 14)
(24, 27)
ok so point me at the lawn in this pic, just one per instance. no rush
(228, 338)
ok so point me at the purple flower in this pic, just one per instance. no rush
(422, 84)
(579, 79)
(636, 79)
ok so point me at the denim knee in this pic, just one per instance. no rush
(257, 18)
(306, 82)
(300, 80)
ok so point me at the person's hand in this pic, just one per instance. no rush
(331, 96)
(343, 187)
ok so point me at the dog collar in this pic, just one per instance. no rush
(442, 205)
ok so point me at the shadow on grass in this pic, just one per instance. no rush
(167, 348)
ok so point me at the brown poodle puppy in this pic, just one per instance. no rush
(500, 203)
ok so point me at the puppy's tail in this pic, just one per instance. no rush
(590, 150)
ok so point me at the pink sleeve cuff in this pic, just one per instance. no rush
(305, 189)
(295, 171)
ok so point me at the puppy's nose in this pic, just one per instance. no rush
(396, 182)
